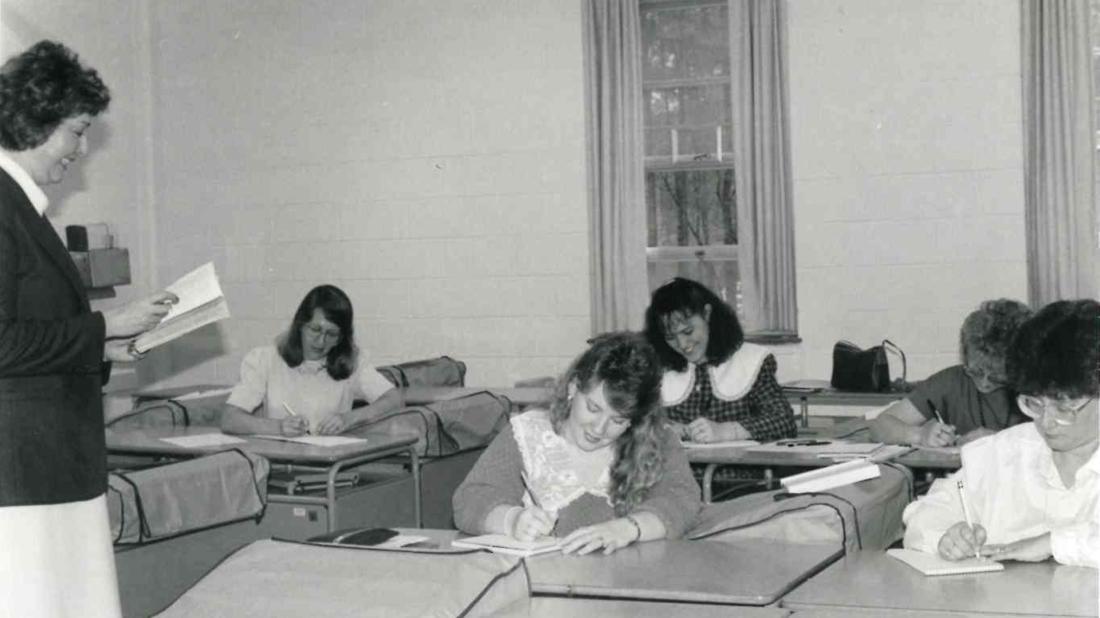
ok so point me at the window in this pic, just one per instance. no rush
(690, 191)
(1095, 34)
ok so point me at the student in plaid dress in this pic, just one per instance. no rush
(716, 387)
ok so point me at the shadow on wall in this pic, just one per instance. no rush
(179, 357)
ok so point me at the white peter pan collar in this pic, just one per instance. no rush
(731, 380)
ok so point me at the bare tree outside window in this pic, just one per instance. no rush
(690, 190)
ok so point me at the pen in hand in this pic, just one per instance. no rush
(291, 412)
(966, 514)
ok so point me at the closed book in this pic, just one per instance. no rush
(828, 477)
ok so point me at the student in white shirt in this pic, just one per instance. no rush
(308, 381)
(1032, 489)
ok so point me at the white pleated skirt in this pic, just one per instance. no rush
(56, 560)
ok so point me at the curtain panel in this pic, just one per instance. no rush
(1059, 186)
(762, 164)
(615, 164)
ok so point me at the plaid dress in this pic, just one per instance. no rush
(764, 411)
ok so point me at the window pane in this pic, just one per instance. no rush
(685, 42)
(720, 276)
(691, 207)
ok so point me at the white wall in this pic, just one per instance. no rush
(427, 157)
(907, 150)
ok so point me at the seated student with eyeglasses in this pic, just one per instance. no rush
(1031, 490)
(309, 379)
(964, 402)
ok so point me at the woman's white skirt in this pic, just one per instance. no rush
(57, 560)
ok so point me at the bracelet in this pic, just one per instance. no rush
(637, 527)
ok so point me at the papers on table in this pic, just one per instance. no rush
(200, 394)
(322, 441)
(828, 477)
(730, 444)
(504, 544)
(201, 302)
(931, 564)
(203, 440)
(831, 449)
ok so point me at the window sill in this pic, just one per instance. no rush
(772, 338)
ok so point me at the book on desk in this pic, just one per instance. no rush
(505, 544)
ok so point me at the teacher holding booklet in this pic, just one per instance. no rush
(57, 558)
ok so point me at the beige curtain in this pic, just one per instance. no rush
(762, 164)
(1059, 200)
(615, 163)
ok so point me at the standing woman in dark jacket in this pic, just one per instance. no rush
(55, 548)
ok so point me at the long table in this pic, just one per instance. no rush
(874, 584)
(821, 394)
(331, 460)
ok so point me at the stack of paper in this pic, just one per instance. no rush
(201, 302)
(504, 544)
(931, 564)
(828, 477)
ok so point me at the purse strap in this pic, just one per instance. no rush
(893, 347)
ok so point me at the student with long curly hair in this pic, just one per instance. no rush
(598, 468)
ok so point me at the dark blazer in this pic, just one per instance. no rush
(51, 371)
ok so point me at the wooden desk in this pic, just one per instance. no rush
(872, 583)
(749, 572)
(521, 397)
(147, 441)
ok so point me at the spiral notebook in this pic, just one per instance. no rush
(931, 564)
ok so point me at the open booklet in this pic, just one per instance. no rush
(201, 302)
(828, 477)
(504, 544)
(931, 564)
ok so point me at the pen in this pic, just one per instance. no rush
(936, 412)
(790, 443)
(527, 486)
(292, 412)
(966, 514)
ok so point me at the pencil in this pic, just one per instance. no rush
(966, 513)
(293, 413)
(936, 412)
(527, 486)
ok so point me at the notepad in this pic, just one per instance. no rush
(204, 439)
(504, 544)
(729, 443)
(201, 302)
(831, 476)
(323, 441)
(931, 564)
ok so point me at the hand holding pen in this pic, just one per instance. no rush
(964, 539)
(293, 425)
(533, 521)
(937, 433)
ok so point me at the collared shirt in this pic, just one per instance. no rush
(308, 388)
(1014, 491)
(26, 183)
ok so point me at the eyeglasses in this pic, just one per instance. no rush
(1035, 407)
(980, 373)
(317, 332)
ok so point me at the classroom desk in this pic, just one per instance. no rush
(874, 584)
(521, 397)
(147, 441)
(749, 572)
(556, 607)
(825, 395)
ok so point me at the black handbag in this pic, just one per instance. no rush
(865, 371)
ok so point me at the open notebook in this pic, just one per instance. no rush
(931, 564)
(504, 544)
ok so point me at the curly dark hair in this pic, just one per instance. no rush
(336, 306)
(989, 329)
(631, 375)
(1057, 353)
(42, 87)
(687, 298)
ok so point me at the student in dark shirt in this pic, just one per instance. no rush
(963, 402)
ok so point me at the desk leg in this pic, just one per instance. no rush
(769, 478)
(708, 478)
(805, 411)
(414, 461)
